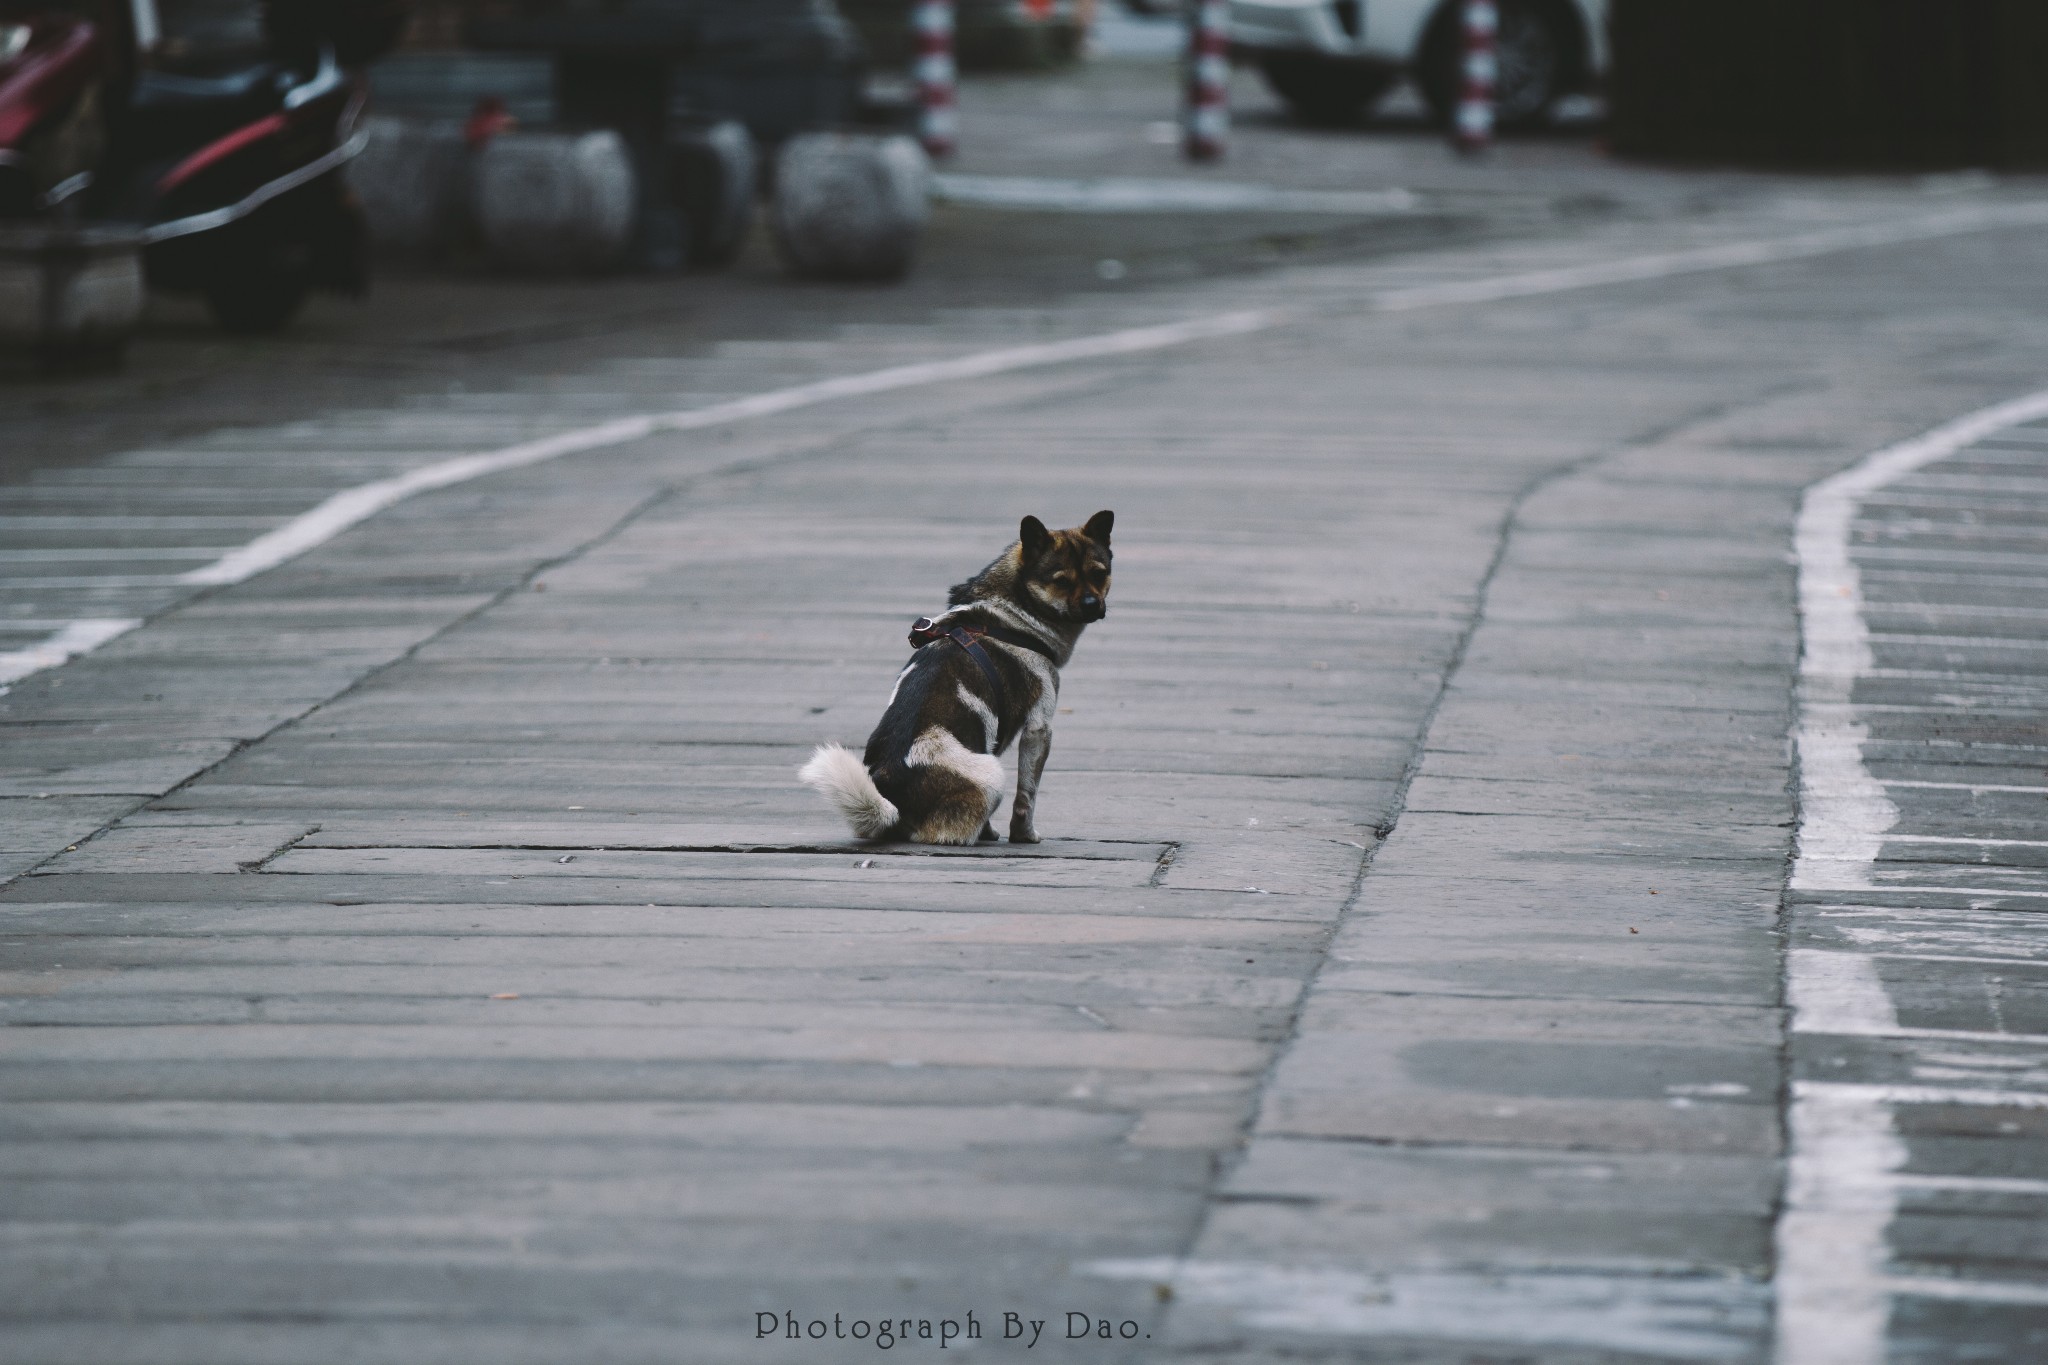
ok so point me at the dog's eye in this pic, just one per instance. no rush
(1063, 579)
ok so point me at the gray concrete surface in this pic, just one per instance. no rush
(422, 952)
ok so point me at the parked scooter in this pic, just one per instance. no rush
(52, 124)
(229, 170)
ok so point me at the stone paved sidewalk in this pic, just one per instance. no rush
(447, 967)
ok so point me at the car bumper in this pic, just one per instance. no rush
(1308, 27)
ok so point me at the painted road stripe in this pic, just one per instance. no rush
(1977, 483)
(1960, 609)
(352, 506)
(1116, 194)
(1988, 1097)
(1988, 558)
(1833, 1289)
(1971, 787)
(1916, 577)
(2001, 892)
(74, 639)
(1666, 265)
(1966, 1291)
(1973, 1184)
(1956, 641)
(1962, 958)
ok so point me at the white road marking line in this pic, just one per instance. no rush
(1994, 450)
(1665, 265)
(2004, 892)
(1953, 707)
(1837, 993)
(1932, 742)
(1972, 787)
(1119, 194)
(1938, 502)
(1833, 1307)
(1935, 1035)
(1942, 915)
(1966, 1291)
(1978, 483)
(1985, 1098)
(347, 508)
(1834, 1296)
(2019, 684)
(1957, 641)
(74, 639)
(1960, 609)
(1964, 958)
(1990, 559)
(1971, 1184)
(350, 507)
(1878, 573)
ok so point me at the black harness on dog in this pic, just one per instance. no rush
(924, 631)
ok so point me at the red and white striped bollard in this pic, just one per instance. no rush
(1208, 80)
(938, 118)
(1473, 131)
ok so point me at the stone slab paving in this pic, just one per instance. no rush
(469, 980)
(1920, 1054)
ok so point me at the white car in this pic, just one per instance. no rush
(1329, 59)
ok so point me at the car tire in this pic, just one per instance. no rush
(1325, 94)
(254, 296)
(1535, 56)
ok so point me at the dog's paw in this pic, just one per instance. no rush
(988, 835)
(1023, 834)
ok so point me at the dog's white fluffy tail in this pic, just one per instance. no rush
(843, 778)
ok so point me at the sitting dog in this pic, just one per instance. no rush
(984, 673)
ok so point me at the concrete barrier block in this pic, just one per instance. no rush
(717, 174)
(555, 202)
(413, 181)
(67, 293)
(850, 206)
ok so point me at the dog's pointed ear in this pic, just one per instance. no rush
(1033, 538)
(1098, 526)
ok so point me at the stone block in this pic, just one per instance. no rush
(413, 180)
(850, 207)
(555, 202)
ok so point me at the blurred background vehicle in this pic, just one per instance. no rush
(206, 137)
(988, 35)
(1331, 60)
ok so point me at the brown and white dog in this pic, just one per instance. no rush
(985, 673)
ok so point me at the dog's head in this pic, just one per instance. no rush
(1065, 574)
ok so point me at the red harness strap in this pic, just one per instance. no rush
(924, 631)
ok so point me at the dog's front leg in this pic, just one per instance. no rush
(1032, 748)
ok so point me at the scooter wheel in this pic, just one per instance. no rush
(255, 300)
